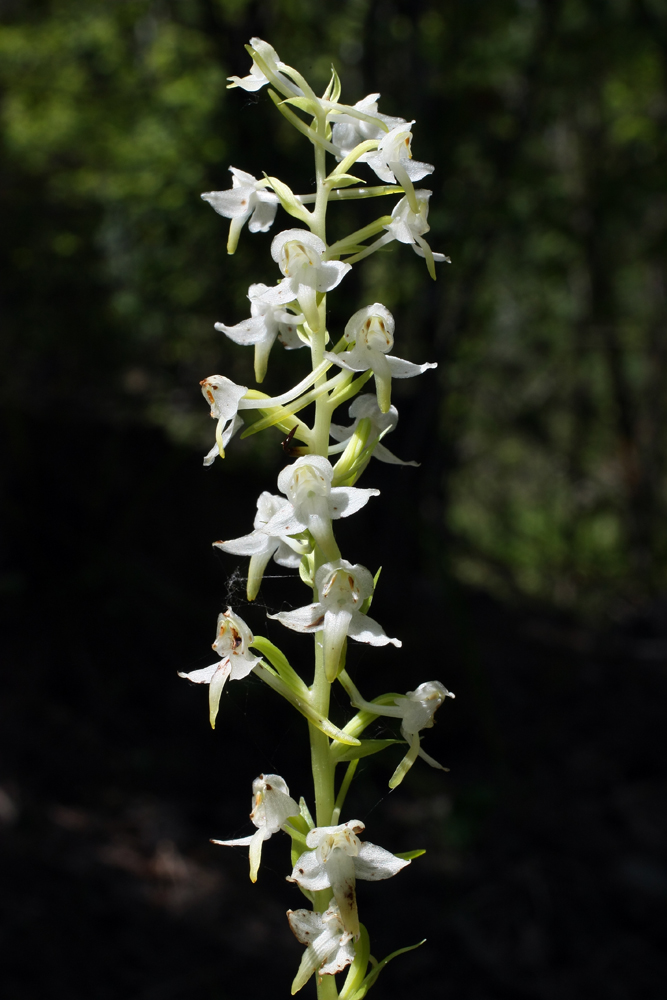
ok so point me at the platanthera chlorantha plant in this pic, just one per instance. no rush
(296, 525)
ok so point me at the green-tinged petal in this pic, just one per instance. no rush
(235, 227)
(255, 853)
(215, 689)
(406, 763)
(256, 567)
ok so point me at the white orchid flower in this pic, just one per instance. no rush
(329, 947)
(336, 859)
(267, 321)
(232, 644)
(272, 806)
(393, 162)
(260, 546)
(342, 589)
(313, 503)
(408, 226)
(371, 329)
(257, 78)
(247, 199)
(365, 407)
(348, 131)
(224, 397)
(299, 254)
(415, 709)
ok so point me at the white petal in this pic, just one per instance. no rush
(373, 863)
(215, 689)
(248, 545)
(232, 204)
(306, 925)
(343, 956)
(307, 619)
(242, 664)
(303, 236)
(347, 360)
(330, 274)
(315, 836)
(255, 852)
(365, 629)
(335, 631)
(286, 557)
(384, 455)
(416, 171)
(345, 500)
(310, 873)
(241, 842)
(249, 331)
(340, 869)
(263, 216)
(406, 369)
(285, 522)
(203, 676)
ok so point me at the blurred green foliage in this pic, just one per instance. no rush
(546, 122)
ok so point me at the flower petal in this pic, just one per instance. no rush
(310, 873)
(340, 870)
(249, 545)
(365, 629)
(406, 369)
(310, 618)
(346, 500)
(373, 863)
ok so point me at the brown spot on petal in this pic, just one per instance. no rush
(316, 623)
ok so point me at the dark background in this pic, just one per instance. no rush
(524, 561)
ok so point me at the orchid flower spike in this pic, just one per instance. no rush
(337, 858)
(232, 644)
(371, 331)
(299, 254)
(260, 547)
(257, 78)
(224, 397)
(348, 131)
(267, 321)
(272, 806)
(342, 590)
(365, 407)
(313, 503)
(246, 199)
(329, 947)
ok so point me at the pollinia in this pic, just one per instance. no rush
(295, 527)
